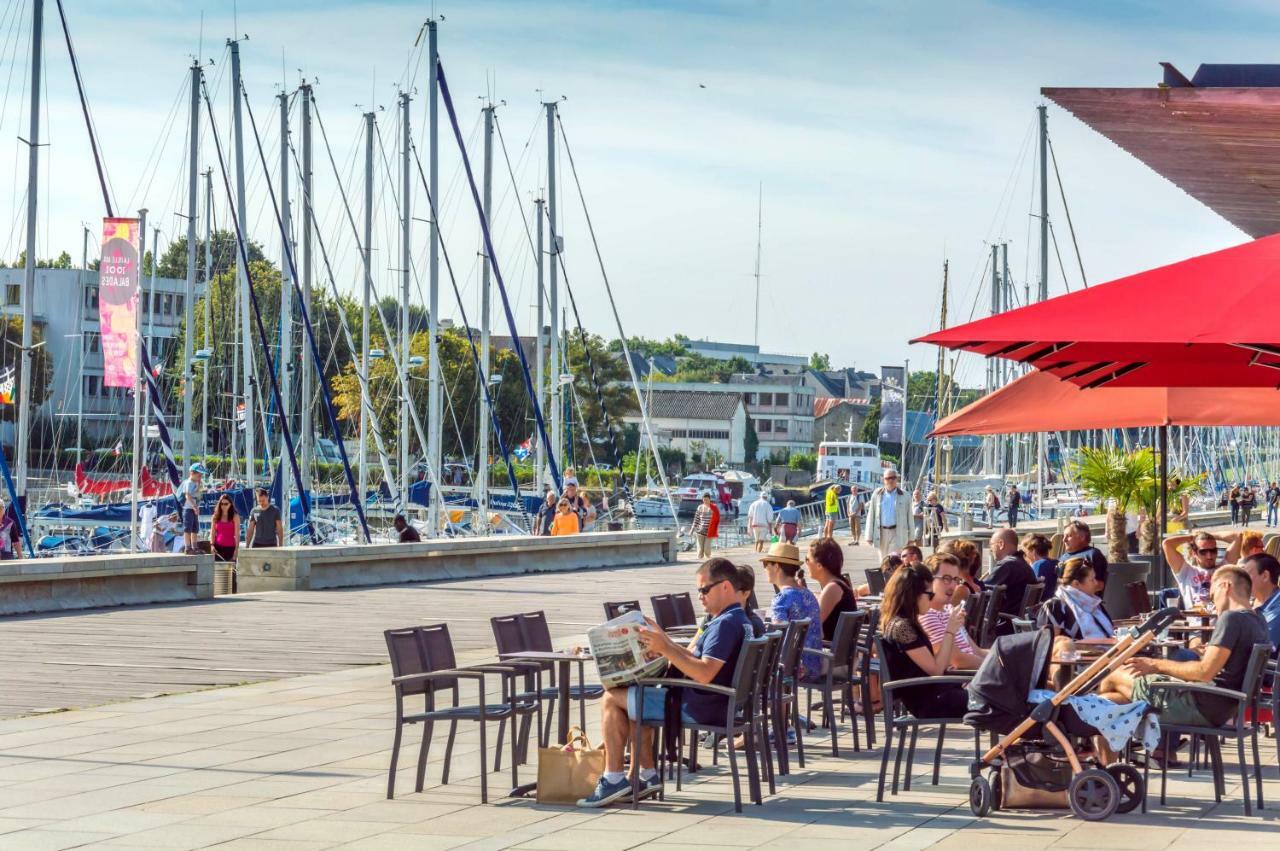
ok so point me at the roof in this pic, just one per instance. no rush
(693, 405)
(662, 364)
(822, 407)
(1215, 136)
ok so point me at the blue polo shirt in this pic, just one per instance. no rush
(721, 639)
(1270, 611)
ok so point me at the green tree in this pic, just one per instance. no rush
(1118, 480)
(225, 255)
(750, 443)
(805, 461)
(41, 364)
(819, 361)
(871, 425)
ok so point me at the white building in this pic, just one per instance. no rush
(66, 313)
(779, 406)
(696, 421)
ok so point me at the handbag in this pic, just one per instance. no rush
(568, 772)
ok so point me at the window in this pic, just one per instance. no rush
(764, 426)
(679, 432)
(12, 294)
(91, 384)
(156, 298)
(781, 399)
(766, 398)
(95, 341)
(178, 302)
(749, 398)
(168, 303)
(779, 426)
(708, 434)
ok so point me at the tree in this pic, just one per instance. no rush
(41, 364)
(806, 461)
(819, 362)
(225, 255)
(922, 392)
(1117, 479)
(750, 443)
(871, 425)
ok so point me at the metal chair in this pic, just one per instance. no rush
(672, 611)
(612, 610)
(875, 580)
(1139, 597)
(423, 664)
(975, 610)
(898, 717)
(1243, 725)
(994, 598)
(529, 631)
(867, 665)
(786, 693)
(839, 677)
(1031, 596)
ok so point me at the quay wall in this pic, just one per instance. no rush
(60, 584)
(344, 566)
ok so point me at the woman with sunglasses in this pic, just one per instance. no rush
(908, 652)
(224, 531)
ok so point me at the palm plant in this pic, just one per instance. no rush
(1117, 479)
(1149, 500)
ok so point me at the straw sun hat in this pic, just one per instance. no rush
(782, 553)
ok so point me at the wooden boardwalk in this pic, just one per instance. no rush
(81, 659)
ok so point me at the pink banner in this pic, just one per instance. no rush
(118, 277)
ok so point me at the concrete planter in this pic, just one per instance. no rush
(1119, 576)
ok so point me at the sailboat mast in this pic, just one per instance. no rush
(84, 267)
(286, 296)
(1041, 447)
(540, 461)
(406, 260)
(135, 474)
(208, 304)
(434, 432)
(482, 440)
(367, 291)
(189, 299)
(307, 225)
(941, 368)
(29, 271)
(759, 233)
(554, 298)
(242, 275)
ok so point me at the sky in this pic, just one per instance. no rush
(884, 137)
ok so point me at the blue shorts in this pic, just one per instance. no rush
(655, 699)
(190, 520)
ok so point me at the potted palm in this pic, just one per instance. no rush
(1116, 479)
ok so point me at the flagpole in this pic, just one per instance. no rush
(137, 397)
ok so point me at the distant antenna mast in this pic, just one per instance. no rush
(759, 228)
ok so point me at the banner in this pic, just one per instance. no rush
(891, 413)
(118, 276)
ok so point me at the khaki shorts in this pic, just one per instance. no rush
(1172, 705)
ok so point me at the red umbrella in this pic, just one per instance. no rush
(1210, 321)
(1039, 402)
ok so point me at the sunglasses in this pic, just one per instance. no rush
(1208, 551)
(706, 589)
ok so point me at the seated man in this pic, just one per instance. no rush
(1192, 559)
(713, 659)
(1224, 661)
(1264, 571)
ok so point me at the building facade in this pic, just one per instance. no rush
(697, 422)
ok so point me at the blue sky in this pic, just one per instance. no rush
(887, 135)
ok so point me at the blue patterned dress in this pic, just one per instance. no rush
(793, 604)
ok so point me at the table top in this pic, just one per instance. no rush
(547, 656)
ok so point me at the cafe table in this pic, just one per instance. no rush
(563, 660)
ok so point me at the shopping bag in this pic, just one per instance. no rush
(567, 773)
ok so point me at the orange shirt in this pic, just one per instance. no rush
(565, 524)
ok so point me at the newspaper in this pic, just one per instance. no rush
(620, 657)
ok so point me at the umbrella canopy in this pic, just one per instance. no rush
(1210, 321)
(1039, 402)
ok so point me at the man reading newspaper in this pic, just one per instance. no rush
(712, 659)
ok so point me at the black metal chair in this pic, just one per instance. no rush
(994, 599)
(839, 678)
(1139, 597)
(975, 611)
(613, 610)
(1242, 726)
(740, 718)
(529, 631)
(1031, 596)
(786, 693)
(672, 611)
(423, 664)
(898, 718)
(867, 666)
(875, 580)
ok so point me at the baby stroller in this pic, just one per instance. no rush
(1028, 768)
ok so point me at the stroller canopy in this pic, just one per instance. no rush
(998, 691)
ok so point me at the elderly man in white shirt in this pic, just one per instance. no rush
(888, 523)
(760, 521)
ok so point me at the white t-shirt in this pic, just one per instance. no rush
(1193, 584)
(760, 513)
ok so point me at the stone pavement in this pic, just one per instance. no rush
(300, 761)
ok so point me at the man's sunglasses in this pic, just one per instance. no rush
(706, 589)
(1208, 551)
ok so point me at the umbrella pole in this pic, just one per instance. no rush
(1163, 523)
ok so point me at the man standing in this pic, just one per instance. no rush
(1273, 504)
(408, 534)
(584, 509)
(1077, 542)
(1225, 659)
(1264, 572)
(713, 660)
(1015, 502)
(1012, 571)
(706, 525)
(789, 522)
(760, 521)
(992, 505)
(266, 529)
(857, 504)
(888, 516)
(832, 499)
(189, 494)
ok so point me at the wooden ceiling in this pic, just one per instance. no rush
(1219, 145)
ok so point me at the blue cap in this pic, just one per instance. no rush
(199, 468)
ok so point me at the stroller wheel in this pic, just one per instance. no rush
(1129, 780)
(1093, 794)
(981, 798)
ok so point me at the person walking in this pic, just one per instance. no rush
(546, 515)
(1248, 499)
(566, 520)
(857, 505)
(7, 523)
(992, 505)
(759, 522)
(1273, 504)
(706, 525)
(189, 494)
(888, 516)
(1015, 503)
(788, 521)
(224, 530)
(266, 528)
(1233, 498)
(832, 500)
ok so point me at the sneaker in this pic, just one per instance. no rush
(651, 787)
(607, 793)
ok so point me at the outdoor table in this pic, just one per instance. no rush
(563, 659)
(871, 599)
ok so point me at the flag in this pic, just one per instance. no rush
(119, 448)
(522, 451)
(6, 387)
(240, 417)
